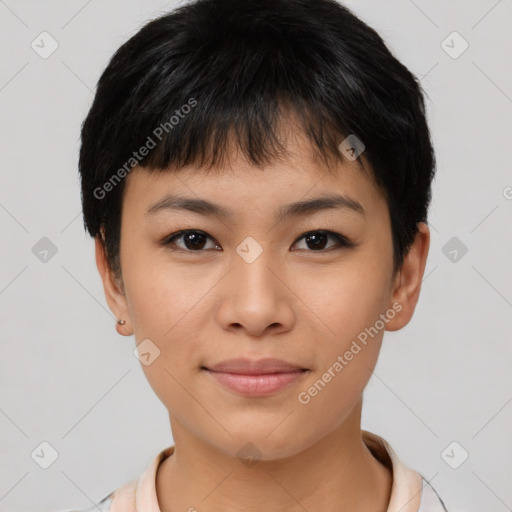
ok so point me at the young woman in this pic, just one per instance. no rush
(256, 175)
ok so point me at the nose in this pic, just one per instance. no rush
(256, 297)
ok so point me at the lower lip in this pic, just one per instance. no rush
(256, 385)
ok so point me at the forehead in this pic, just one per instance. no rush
(237, 185)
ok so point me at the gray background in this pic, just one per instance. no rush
(67, 377)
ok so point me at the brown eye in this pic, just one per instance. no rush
(192, 240)
(196, 241)
(317, 241)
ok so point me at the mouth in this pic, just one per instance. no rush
(255, 378)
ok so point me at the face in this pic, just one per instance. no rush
(306, 288)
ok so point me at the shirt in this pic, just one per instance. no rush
(410, 492)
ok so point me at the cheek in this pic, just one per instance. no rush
(166, 304)
(346, 301)
(348, 310)
(161, 295)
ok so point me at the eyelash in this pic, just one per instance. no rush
(343, 242)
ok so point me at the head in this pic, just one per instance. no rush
(238, 110)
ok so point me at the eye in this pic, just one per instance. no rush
(318, 239)
(193, 240)
(196, 241)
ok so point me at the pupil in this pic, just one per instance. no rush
(193, 238)
(317, 243)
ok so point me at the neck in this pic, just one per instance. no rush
(336, 474)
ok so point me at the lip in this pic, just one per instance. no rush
(255, 366)
(255, 378)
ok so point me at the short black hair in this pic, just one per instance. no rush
(211, 72)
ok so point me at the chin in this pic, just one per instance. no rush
(262, 442)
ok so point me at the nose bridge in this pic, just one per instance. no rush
(255, 298)
(251, 268)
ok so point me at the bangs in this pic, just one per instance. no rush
(208, 139)
(258, 79)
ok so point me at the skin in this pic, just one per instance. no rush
(294, 302)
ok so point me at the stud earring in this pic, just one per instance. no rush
(121, 322)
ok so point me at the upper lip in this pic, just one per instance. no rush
(254, 367)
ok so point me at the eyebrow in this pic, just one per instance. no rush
(299, 208)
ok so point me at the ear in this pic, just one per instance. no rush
(407, 284)
(114, 295)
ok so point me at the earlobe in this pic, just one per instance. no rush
(114, 296)
(406, 289)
